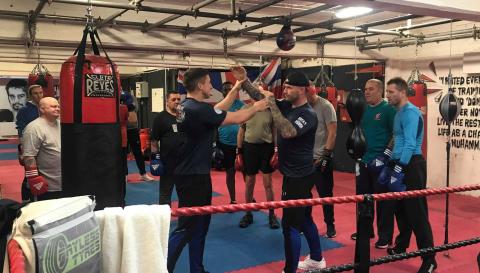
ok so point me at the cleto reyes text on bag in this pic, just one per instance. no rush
(98, 98)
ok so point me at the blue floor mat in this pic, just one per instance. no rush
(8, 156)
(230, 248)
(8, 146)
(147, 193)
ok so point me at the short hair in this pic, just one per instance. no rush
(192, 77)
(400, 83)
(378, 82)
(17, 83)
(173, 92)
(33, 86)
(227, 82)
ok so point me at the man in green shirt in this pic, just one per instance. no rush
(377, 124)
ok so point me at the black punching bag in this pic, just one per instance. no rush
(356, 143)
(356, 105)
(286, 38)
(450, 107)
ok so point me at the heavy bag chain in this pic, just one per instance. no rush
(322, 75)
(415, 74)
(225, 42)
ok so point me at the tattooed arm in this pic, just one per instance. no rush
(29, 161)
(283, 125)
(241, 75)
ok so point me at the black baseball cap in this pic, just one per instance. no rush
(297, 79)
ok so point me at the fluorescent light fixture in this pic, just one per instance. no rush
(351, 12)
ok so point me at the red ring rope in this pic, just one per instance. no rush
(191, 211)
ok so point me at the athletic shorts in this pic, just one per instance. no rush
(257, 157)
(229, 154)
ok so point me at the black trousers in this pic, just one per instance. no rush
(166, 189)
(366, 183)
(133, 142)
(412, 213)
(324, 185)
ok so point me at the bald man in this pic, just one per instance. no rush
(377, 124)
(41, 152)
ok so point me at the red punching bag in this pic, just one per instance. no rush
(91, 137)
(417, 95)
(42, 77)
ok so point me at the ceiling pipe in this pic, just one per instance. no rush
(171, 50)
(437, 37)
(195, 7)
(110, 18)
(417, 26)
(363, 26)
(243, 13)
(281, 21)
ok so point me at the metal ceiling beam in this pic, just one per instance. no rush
(192, 13)
(417, 26)
(288, 18)
(363, 26)
(38, 9)
(436, 37)
(245, 12)
(195, 7)
(327, 24)
(110, 18)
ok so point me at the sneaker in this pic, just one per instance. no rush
(309, 264)
(146, 177)
(354, 236)
(428, 266)
(273, 222)
(394, 250)
(331, 232)
(246, 220)
(382, 243)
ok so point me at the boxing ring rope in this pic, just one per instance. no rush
(17, 260)
(399, 257)
(191, 211)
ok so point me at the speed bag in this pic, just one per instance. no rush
(91, 138)
(45, 80)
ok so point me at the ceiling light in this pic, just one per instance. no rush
(352, 11)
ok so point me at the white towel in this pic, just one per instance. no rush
(112, 239)
(144, 242)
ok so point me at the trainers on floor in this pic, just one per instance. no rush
(331, 232)
(273, 222)
(246, 220)
(146, 177)
(309, 264)
(354, 236)
(428, 266)
(382, 243)
(394, 250)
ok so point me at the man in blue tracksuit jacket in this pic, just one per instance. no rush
(407, 170)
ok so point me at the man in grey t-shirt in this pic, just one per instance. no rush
(323, 152)
(41, 152)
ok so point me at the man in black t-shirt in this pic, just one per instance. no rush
(296, 123)
(165, 131)
(197, 121)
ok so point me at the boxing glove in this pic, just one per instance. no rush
(274, 159)
(36, 182)
(239, 160)
(324, 163)
(378, 163)
(396, 179)
(384, 176)
(217, 157)
(156, 165)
